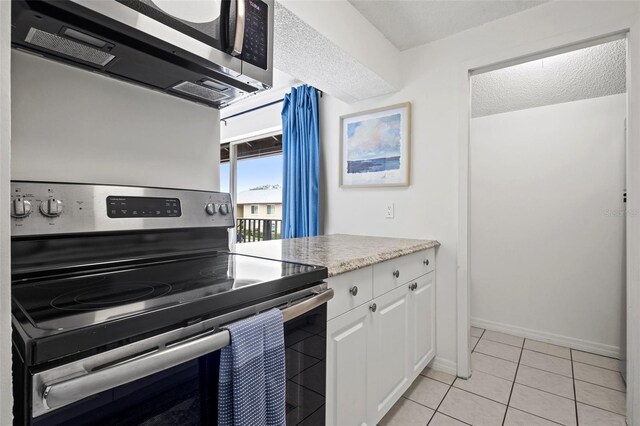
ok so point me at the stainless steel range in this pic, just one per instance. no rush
(118, 296)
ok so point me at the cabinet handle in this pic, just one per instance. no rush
(413, 286)
(396, 273)
(353, 290)
(426, 262)
(373, 307)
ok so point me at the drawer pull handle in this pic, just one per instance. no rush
(373, 307)
(353, 290)
(396, 273)
(413, 286)
(426, 262)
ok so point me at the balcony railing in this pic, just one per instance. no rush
(249, 230)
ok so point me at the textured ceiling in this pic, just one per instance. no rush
(410, 23)
(302, 52)
(581, 74)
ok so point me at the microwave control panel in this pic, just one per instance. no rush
(255, 49)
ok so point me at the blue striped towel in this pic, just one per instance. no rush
(252, 385)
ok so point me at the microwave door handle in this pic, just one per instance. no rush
(238, 39)
(65, 392)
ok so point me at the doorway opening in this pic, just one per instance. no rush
(547, 168)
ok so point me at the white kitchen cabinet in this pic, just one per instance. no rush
(347, 363)
(422, 325)
(388, 351)
(377, 347)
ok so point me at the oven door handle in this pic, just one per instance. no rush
(71, 390)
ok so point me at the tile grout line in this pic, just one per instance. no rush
(513, 385)
(596, 366)
(543, 391)
(451, 417)
(547, 371)
(445, 395)
(573, 381)
(481, 396)
(442, 400)
(603, 409)
(535, 415)
(602, 386)
(449, 386)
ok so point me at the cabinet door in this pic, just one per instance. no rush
(347, 388)
(422, 323)
(388, 351)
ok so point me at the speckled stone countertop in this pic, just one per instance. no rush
(338, 253)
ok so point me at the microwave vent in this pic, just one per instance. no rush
(199, 91)
(68, 47)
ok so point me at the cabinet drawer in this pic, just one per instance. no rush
(392, 273)
(351, 290)
(427, 260)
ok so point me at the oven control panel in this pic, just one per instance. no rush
(39, 208)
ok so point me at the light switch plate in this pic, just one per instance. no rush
(388, 211)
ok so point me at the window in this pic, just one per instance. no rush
(251, 170)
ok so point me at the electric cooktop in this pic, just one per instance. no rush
(127, 298)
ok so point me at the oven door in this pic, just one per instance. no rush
(186, 393)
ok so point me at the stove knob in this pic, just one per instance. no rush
(210, 208)
(51, 207)
(224, 208)
(20, 208)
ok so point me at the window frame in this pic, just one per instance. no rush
(233, 164)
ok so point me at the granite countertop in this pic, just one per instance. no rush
(338, 253)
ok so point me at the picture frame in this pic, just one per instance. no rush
(375, 147)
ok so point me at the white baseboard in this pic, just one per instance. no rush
(444, 365)
(556, 339)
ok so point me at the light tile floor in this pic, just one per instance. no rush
(520, 382)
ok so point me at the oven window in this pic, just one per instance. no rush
(183, 395)
(188, 393)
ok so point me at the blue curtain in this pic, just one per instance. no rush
(301, 158)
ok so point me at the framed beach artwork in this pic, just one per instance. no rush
(375, 147)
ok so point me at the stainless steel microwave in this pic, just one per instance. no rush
(210, 51)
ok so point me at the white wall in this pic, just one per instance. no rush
(547, 227)
(70, 125)
(6, 400)
(429, 207)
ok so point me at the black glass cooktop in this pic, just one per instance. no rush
(93, 299)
